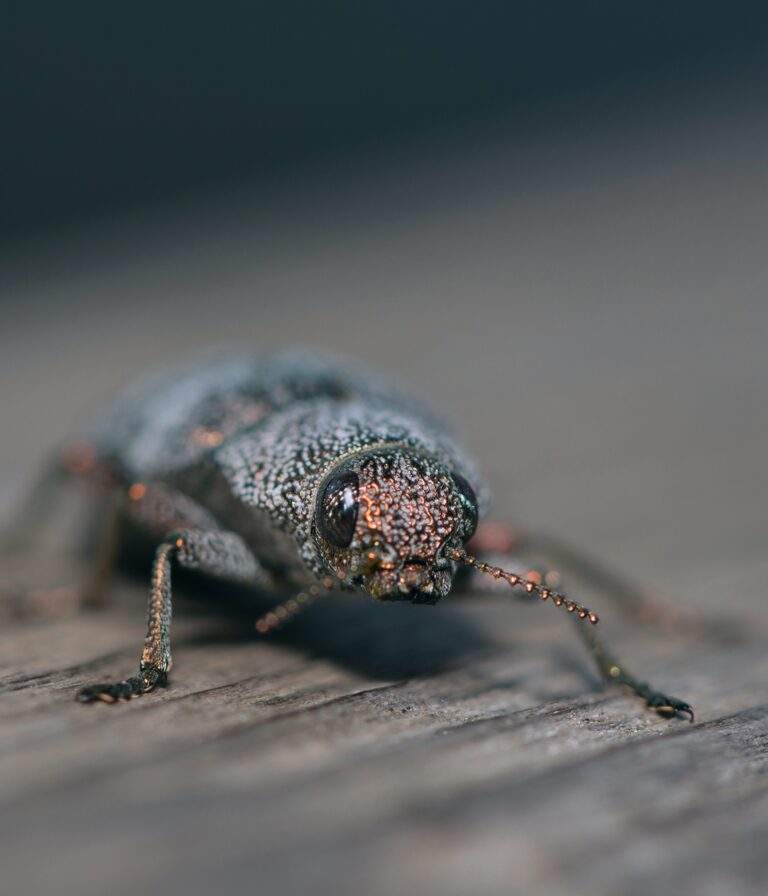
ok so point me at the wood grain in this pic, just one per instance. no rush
(610, 372)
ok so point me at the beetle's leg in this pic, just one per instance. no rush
(65, 600)
(29, 520)
(217, 553)
(78, 461)
(633, 600)
(93, 593)
(610, 668)
(614, 671)
(19, 533)
(650, 609)
(154, 509)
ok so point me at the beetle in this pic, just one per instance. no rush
(299, 474)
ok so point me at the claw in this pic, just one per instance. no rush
(669, 707)
(111, 693)
(149, 678)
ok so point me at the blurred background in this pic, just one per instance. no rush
(548, 218)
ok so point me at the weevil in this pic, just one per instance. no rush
(295, 475)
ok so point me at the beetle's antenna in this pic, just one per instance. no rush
(529, 585)
(284, 612)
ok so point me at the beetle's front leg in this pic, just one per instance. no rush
(217, 553)
(616, 672)
(611, 669)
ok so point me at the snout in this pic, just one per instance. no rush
(414, 575)
(416, 580)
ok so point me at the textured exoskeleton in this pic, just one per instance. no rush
(296, 474)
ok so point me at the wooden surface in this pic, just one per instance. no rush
(594, 320)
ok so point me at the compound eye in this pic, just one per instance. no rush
(469, 503)
(337, 512)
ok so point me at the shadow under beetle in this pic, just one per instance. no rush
(297, 475)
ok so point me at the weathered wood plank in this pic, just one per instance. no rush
(467, 748)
